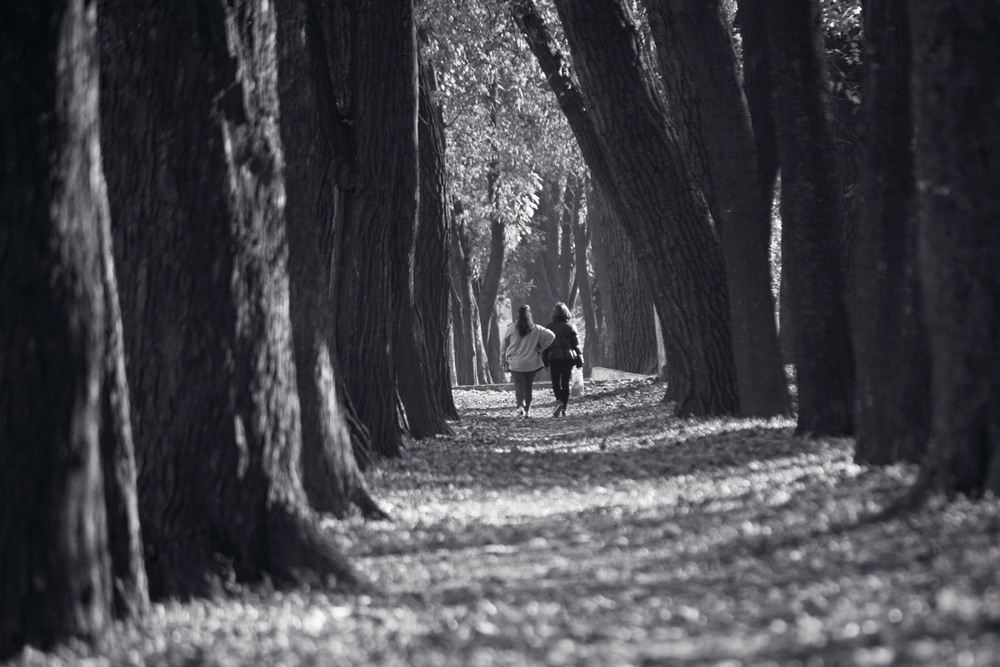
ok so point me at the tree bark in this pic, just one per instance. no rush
(488, 287)
(630, 328)
(375, 266)
(591, 345)
(666, 218)
(890, 345)
(58, 344)
(464, 317)
(812, 224)
(330, 472)
(701, 75)
(432, 279)
(194, 164)
(956, 90)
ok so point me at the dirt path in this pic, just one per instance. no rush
(619, 536)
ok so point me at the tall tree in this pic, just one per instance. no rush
(487, 285)
(374, 268)
(68, 529)
(701, 75)
(432, 276)
(890, 345)
(617, 106)
(811, 219)
(466, 331)
(956, 91)
(628, 339)
(200, 240)
(330, 472)
(581, 244)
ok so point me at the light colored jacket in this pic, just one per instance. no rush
(524, 353)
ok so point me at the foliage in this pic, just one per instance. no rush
(618, 535)
(497, 106)
(843, 38)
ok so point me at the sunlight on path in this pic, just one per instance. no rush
(618, 535)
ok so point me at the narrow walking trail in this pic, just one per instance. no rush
(618, 535)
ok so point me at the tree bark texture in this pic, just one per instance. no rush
(470, 358)
(811, 220)
(330, 472)
(591, 345)
(956, 92)
(194, 162)
(704, 90)
(666, 217)
(629, 342)
(375, 263)
(488, 285)
(54, 552)
(890, 344)
(432, 277)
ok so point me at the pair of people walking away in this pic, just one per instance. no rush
(527, 348)
(521, 352)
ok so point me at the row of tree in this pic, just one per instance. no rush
(232, 260)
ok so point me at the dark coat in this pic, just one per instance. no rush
(566, 346)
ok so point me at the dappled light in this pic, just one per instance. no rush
(619, 535)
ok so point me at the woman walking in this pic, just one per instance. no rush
(562, 356)
(521, 352)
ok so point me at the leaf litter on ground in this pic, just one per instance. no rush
(617, 535)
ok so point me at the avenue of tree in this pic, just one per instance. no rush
(250, 246)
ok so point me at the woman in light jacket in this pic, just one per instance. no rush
(521, 352)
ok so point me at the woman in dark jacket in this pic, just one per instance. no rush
(561, 355)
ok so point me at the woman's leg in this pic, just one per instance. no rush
(518, 378)
(528, 385)
(564, 370)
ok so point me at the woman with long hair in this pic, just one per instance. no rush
(562, 356)
(521, 352)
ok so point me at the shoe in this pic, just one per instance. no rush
(558, 410)
(527, 412)
(520, 411)
(562, 411)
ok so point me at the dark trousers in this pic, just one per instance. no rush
(522, 387)
(561, 370)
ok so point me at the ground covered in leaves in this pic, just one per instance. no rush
(618, 535)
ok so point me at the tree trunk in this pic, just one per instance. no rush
(812, 225)
(464, 320)
(591, 344)
(757, 86)
(701, 75)
(630, 328)
(666, 218)
(330, 473)
(890, 346)
(432, 280)
(956, 91)
(488, 287)
(58, 344)
(128, 568)
(194, 164)
(374, 270)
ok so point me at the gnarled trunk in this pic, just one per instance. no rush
(330, 472)
(194, 164)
